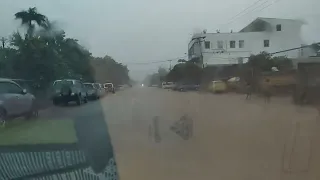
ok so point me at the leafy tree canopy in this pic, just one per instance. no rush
(45, 54)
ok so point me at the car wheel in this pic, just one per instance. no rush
(55, 102)
(33, 113)
(3, 118)
(28, 115)
(78, 101)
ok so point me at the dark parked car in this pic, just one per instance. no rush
(92, 90)
(69, 90)
(187, 87)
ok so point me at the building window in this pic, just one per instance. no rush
(232, 44)
(278, 27)
(241, 43)
(220, 44)
(207, 44)
(266, 43)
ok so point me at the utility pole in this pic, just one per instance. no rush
(170, 64)
(200, 47)
(3, 41)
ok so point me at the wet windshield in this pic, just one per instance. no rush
(159, 90)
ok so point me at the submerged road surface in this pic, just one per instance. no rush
(232, 138)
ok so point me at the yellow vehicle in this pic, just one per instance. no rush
(217, 86)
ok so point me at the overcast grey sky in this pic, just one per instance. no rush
(150, 30)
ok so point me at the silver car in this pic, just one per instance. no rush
(100, 88)
(68, 90)
(14, 101)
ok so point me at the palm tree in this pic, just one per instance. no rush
(28, 17)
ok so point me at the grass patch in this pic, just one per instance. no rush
(20, 132)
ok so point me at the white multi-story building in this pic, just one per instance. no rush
(263, 34)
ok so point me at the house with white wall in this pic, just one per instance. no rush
(263, 34)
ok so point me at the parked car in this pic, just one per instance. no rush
(217, 86)
(234, 83)
(109, 87)
(100, 88)
(68, 90)
(187, 87)
(15, 102)
(168, 85)
(92, 91)
(176, 87)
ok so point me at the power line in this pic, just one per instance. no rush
(264, 6)
(227, 58)
(292, 49)
(273, 53)
(246, 13)
(252, 10)
(142, 63)
(318, 43)
(153, 62)
(235, 16)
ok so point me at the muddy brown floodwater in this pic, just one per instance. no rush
(233, 138)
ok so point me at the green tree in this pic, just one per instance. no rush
(282, 63)
(47, 54)
(108, 70)
(261, 62)
(29, 17)
(188, 72)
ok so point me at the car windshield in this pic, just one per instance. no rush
(9, 88)
(59, 84)
(96, 86)
(108, 85)
(90, 86)
(160, 90)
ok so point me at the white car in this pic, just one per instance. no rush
(109, 87)
(168, 85)
(15, 101)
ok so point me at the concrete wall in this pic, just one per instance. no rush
(295, 61)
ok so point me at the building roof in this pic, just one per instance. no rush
(251, 27)
(263, 22)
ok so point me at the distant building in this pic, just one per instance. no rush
(263, 34)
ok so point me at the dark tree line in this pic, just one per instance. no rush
(191, 72)
(108, 70)
(156, 78)
(44, 54)
(187, 72)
